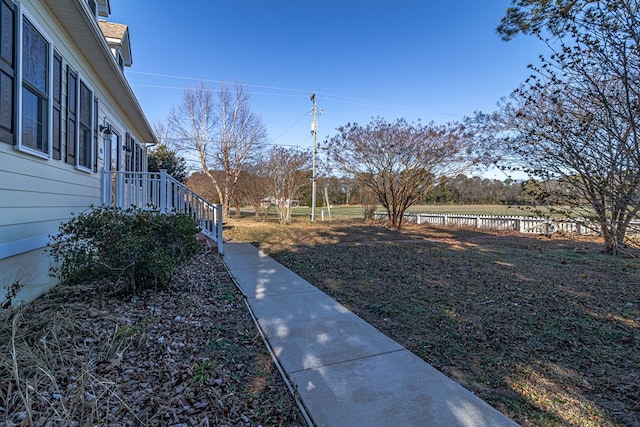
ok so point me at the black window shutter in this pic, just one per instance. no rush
(95, 133)
(8, 36)
(57, 106)
(140, 152)
(132, 154)
(127, 155)
(72, 103)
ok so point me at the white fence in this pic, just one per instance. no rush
(521, 224)
(159, 191)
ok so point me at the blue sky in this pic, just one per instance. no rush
(418, 59)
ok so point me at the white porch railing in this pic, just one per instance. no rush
(160, 191)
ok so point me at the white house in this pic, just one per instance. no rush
(67, 114)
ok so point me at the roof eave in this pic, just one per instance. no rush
(76, 19)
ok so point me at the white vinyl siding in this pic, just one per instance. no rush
(36, 198)
(39, 188)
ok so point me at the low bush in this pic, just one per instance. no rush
(133, 248)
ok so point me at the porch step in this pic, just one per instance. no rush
(206, 242)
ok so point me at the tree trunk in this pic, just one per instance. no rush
(226, 208)
(611, 240)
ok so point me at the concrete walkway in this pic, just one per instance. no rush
(345, 371)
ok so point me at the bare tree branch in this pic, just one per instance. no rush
(399, 161)
(221, 132)
(575, 123)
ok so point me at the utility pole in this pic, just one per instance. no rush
(314, 131)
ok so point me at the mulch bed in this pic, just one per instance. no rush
(187, 355)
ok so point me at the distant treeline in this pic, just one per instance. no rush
(460, 189)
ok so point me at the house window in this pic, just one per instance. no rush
(35, 94)
(85, 128)
(81, 123)
(32, 96)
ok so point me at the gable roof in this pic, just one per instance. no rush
(117, 35)
(112, 29)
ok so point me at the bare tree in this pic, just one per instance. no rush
(286, 173)
(368, 201)
(581, 154)
(398, 161)
(164, 135)
(164, 155)
(201, 184)
(252, 188)
(221, 131)
(576, 121)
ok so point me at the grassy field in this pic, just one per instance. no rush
(497, 210)
(351, 211)
(547, 330)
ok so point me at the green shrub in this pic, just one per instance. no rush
(134, 248)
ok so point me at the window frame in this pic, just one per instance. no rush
(119, 150)
(23, 14)
(116, 138)
(120, 60)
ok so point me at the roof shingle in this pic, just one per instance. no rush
(112, 29)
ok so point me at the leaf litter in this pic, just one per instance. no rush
(187, 355)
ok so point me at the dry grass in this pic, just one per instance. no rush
(186, 355)
(547, 330)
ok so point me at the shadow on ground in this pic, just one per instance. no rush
(547, 330)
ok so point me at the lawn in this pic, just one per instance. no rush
(547, 330)
(350, 211)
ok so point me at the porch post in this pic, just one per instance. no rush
(106, 188)
(120, 178)
(164, 208)
(218, 222)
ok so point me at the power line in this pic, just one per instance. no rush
(325, 96)
(290, 127)
(216, 81)
(274, 144)
(215, 90)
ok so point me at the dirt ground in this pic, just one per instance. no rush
(545, 329)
